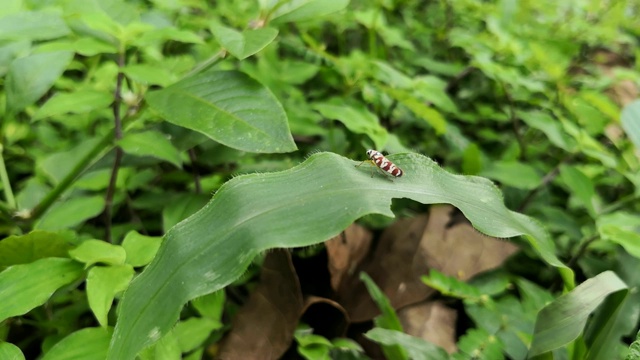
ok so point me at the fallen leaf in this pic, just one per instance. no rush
(432, 321)
(263, 328)
(327, 317)
(346, 251)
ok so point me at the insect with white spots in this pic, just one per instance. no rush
(383, 163)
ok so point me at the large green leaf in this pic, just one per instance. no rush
(9, 351)
(564, 319)
(33, 25)
(30, 77)
(23, 287)
(85, 344)
(298, 207)
(230, 108)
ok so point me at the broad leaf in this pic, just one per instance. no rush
(88, 343)
(96, 251)
(70, 213)
(581, 187)
(151, 143)
(230, 108)
(103, 283)
(298, 207)
(140, 248)
(33, 246)
(418, 349)
(33, 25)
(78, 102)
(243, 44)
(23, 287)
(563, 320)
(30, 77)
(9, 351)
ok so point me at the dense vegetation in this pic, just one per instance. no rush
(184, 179)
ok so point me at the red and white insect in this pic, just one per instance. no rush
(383, 163)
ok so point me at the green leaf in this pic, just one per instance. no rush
(357, 119)
(298, 207)
(150, 74)
(432, 116)
(563, 320)
(628, 239)
(151, 143)
(72, 212)
(550, 127)
(243, 44)
(60, 164)
(631, 122)
(32, 76)
(230, 108)
(478, 344)
(96, 251)
(33, 25)
(301, 10)
(387, 320)
(417, 348)
(450, 286)
(33, 246)
(24, 287)
(88, 343)
(180, 208)
(140, 249)
(103, 283)
(634, 349)
(513, 173)
(192, 332)
(210, 306)
(9, 351)
(77, 102)
(165, 349)
(581, 186)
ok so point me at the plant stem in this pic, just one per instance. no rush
(196, 175)
(63, 185)
(108, 207)
(6, 184)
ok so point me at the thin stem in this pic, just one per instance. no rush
(514, 123)
(544, 182)
(6, 184)
(208, 63)
(581, 250)
(108, 207)
(63, 185)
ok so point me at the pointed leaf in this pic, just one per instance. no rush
(32, 76)
(70, 213)
(631, 122)
(24, 287)
(103, 283)
(151, 143)
(417, 348)
(300, 10)
(358, 120)
(563, 320)
(33, 246)
(88, 343)
(230, 108)
(77, 102)
(96, 251)
(243, 44)
(298, 207)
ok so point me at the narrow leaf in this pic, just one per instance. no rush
(78, 102)
(30, 77)
(71, 212)
(417, 348)
(230, 108)
(23, 287)
(298, 207)
(563, 320)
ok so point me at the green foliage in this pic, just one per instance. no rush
(121, 119)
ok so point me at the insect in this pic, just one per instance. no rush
(383, 163)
